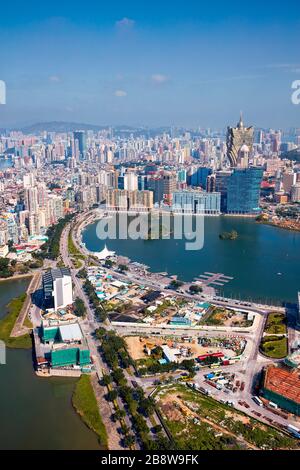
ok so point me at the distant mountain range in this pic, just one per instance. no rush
(61, 126)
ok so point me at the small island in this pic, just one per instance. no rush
(232, 235)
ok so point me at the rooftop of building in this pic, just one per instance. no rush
(55, 273)
(283, 382)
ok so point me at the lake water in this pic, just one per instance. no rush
(264, 261)
(35, 412)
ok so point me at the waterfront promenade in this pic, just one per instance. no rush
(19, 328)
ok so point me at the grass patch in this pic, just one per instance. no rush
(76, 263)
(276, 324)
(27, 323)
(275, 347)
(85, 403)
(72, 249)
(145, 362)
(7, 324)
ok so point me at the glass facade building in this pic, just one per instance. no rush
(198, 176)
(243, 191)
(81, 138)
(197, 202)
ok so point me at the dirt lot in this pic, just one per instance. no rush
(136, 346)
(224, 317)
(175, 408)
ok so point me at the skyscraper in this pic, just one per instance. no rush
(57, 286)
(237, 138)
(243, 191)
(80, 137)
(222, 178)
(169, 186)
(31, 199)
(130, 181)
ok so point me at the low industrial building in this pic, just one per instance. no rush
(61, 346)
(180, 321)
(282, 386)
(151, 296)
(170, 354)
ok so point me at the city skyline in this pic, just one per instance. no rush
(166, 65)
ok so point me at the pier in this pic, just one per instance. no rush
(214, 279)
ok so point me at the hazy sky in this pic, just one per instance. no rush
(150, 63)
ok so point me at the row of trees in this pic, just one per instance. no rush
(99, 306)
(157, 368)
(139, 406)
(79, 307)
(175, 284)
(50, 249)
(5, 269)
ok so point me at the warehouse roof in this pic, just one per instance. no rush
(70, 333)
(283, 383)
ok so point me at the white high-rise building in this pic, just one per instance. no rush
(130, 181)
(28, 180)
(31, 199)
(57, 285)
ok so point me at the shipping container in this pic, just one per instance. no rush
(257, 400)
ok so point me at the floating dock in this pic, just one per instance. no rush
(217, 279)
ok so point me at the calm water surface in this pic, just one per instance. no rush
(36, 413)
(264, 261)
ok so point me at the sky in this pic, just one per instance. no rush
(159, 63)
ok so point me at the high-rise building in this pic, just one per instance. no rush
(295, 193)
(34, 224)
(181, 175)
(196, 202)
(142, 182)
(237, 137)
(155, 184)
(288, 180)
(80, 140)
(169, 186)
(3, 232)
(130, 181)
(222, 178)
(123, 200)
(202, 175)
(243, 191)
(211, 184)
(42, 195)
(31, 199)
(28, 180)
(57, 286)
(12, 229)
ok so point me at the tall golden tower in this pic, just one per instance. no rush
(237, 137)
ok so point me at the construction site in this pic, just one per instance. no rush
(142, 347)
(227, 317)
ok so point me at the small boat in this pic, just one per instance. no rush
(279, 274)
